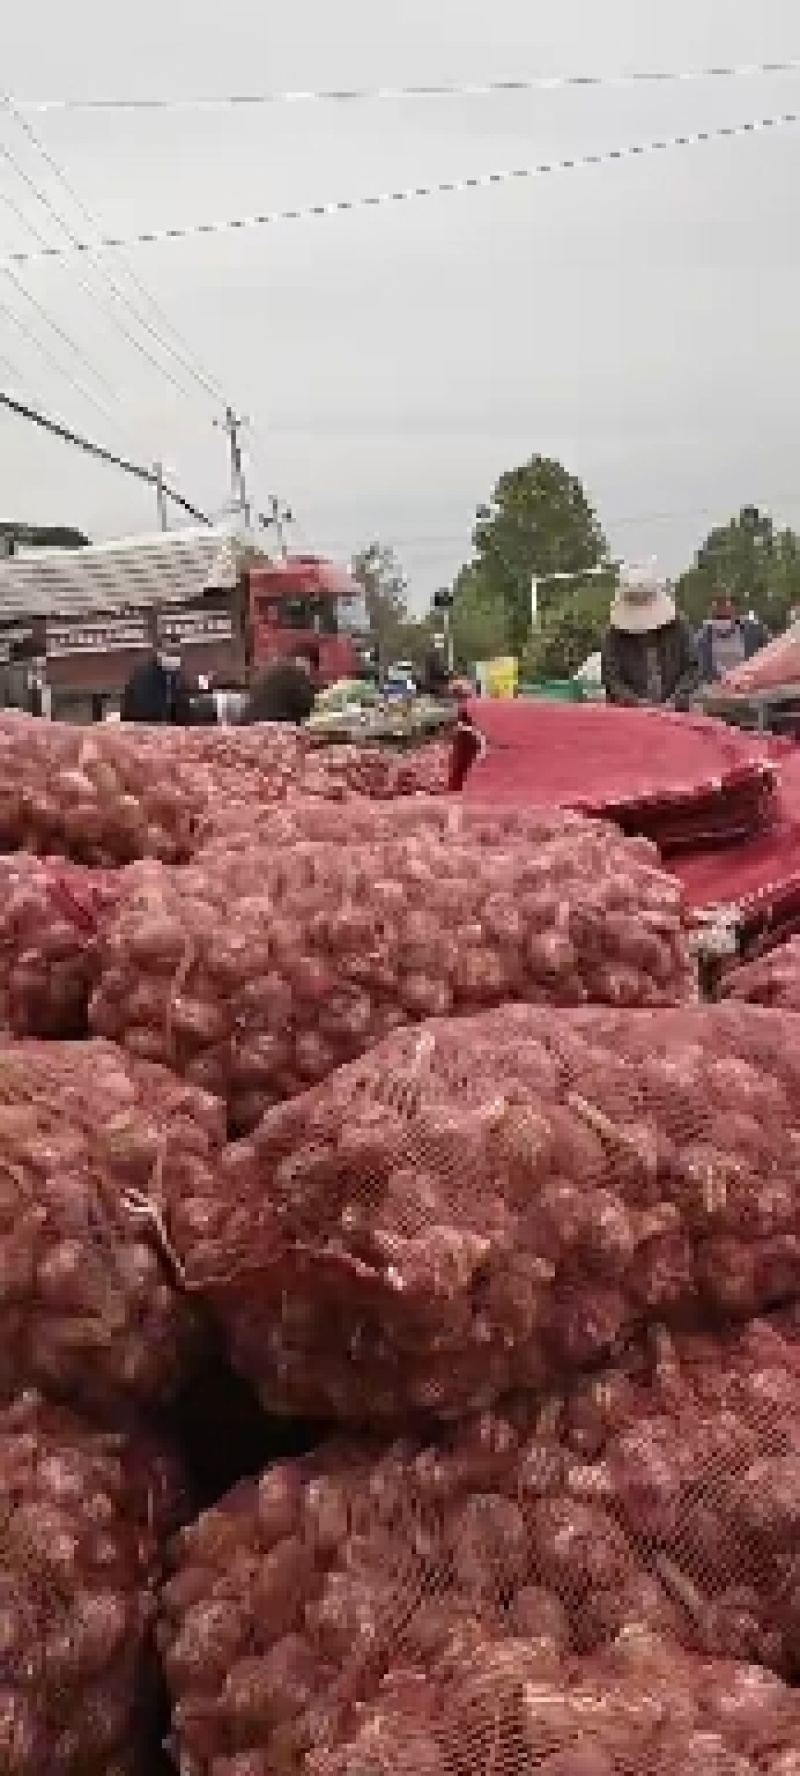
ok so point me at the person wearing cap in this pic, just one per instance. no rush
(726, 640)
(648, 653)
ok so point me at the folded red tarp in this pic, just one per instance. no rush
(760, 876)
(681, 780)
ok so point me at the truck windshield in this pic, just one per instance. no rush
(353, 614)
(306, 612)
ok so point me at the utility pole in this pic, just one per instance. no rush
(233, 425)
(276, 518)
(161, 498)
(443, 601)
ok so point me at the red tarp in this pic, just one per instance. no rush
(682, 780)
(762, 874)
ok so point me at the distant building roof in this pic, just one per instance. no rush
(134, 573)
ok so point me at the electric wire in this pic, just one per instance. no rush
(11, 370)
(60, 332)
(55, 363)
(86, 250)
(178, 352)
(108, 414)
(381, 200)
(137, 471)
(427, 90)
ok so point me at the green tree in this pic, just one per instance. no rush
(755, 565)
(379, 573)
(538, 522)
(479, 619)
(569, 632)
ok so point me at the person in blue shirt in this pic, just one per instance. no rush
(726, 640)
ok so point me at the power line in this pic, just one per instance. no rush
(438, 90)
(11, 370)
(442, 541)
(55, 327)
(107, 414)
(55, 364)
(87, 249)
(151, 477)
(179, 353)
(385, 199)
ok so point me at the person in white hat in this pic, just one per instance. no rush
(649, 654)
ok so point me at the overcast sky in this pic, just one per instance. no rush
(640, 321)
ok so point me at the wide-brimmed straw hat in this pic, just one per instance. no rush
(640, 607)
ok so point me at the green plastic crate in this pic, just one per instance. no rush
(554, 690)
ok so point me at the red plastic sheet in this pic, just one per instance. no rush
(682, 780)
(761, 875)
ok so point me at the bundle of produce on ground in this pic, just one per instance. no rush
(409, 1249)
(50, 912)
(504, 1590)
(495, 1203)
(379, 771)
(358, 819)
(773, 979)
(83, 1519)
(255, 973)
(89, 1311)
(94, 794)
(108, 794)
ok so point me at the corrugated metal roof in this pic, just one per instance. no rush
(171, 567)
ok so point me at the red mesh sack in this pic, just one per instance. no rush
(773, 979)
(494, 1595)
(646, 1707)
(256, 974)
(109, 794)
(361, 819)
(497, 1202)
(101, 795)
(49, 917)
(82, 1518)
(89, 1310)
(380, 771)
(341, 794)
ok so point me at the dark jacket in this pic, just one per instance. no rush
(754, 636)
(625, 677)
(154, 695)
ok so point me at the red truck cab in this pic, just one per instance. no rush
(304, 606)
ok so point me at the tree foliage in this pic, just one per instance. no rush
(480, 625)
(539, 521)
(755, 565)
(379, 573)
(396, 634)
(569, 632)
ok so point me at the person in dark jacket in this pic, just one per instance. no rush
(283, 693)
(726, 640)
(157, 692)
(648, 653)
